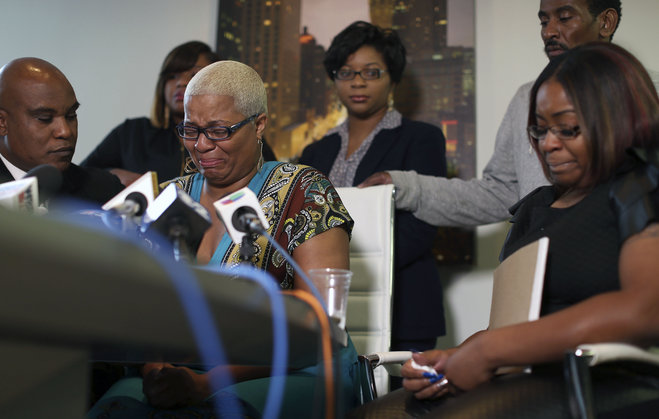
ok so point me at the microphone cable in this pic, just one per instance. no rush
(324, 324)
(280, 331)
(258, 228)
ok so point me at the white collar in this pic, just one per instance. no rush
(15, 171)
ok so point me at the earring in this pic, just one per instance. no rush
(259, 163)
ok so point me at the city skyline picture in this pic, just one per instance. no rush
(285, 42)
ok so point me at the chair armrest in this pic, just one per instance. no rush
(393, 357)
(600, 353)
(391, 361)
(577, 371)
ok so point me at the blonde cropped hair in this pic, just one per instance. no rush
(234, 79)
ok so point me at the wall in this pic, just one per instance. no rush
(112, 50)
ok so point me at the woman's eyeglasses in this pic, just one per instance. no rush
(562, 132)
(218, 133)
(365, 74)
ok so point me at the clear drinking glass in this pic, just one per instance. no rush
(333, 285)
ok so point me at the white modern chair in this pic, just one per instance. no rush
(368, 318)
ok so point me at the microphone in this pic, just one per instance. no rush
(241, 214)
(125, 209)
(134, 205)
(49, 181)
(135, 198)
(27, 193)
(20, 195)
(245, 220)
(179, 218)
(243, 217)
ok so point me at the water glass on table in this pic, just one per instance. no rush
(333, 285)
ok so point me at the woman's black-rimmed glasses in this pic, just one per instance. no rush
(218, 133)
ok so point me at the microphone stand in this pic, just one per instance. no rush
(129, 223)
(178, 233)
(124, 223)
(247, 247)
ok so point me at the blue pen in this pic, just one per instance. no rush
(436, 378)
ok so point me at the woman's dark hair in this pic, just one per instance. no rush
(614, 99)
(360, 33)
(181, 58)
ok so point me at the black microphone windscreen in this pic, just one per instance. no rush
(140, 200)
(239, 219)
(174, 213)
(49, 180)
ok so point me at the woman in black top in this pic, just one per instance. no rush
(594, 124)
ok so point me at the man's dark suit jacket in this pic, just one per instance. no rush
(92, 185)
(418, 311)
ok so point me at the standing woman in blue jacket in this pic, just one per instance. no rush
(366, 63)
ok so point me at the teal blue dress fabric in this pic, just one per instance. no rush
(315, 198)
(303, 395)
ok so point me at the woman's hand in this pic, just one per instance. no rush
(464, 368)
(414, 379)
(166, 386)
(470, 365)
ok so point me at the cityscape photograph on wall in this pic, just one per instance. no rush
(285, 42)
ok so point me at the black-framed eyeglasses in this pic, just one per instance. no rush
(218, 133)
(562, 132)
(366, 74)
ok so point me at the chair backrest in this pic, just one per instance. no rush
(368, 318)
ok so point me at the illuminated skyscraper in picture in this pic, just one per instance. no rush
(382, 12)
(313, 79)
(265, 35)
(438, 82)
